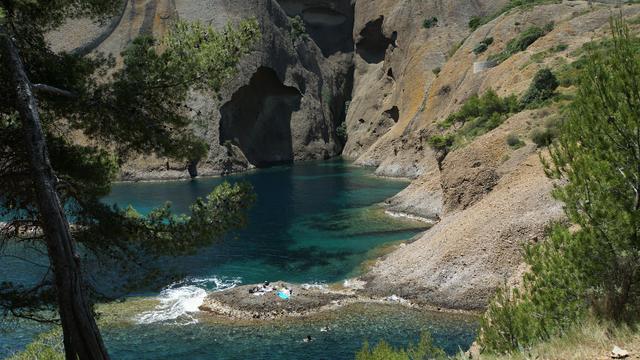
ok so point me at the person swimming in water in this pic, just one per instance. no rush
(308, 339)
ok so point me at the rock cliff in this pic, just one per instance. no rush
(485, 197)
(390, 70)
(286, 101)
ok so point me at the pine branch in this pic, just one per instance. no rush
(52, 90)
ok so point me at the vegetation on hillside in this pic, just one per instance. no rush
(478, 21)
(581, 294)
(593, 268)
(481, 114)
(521, 42)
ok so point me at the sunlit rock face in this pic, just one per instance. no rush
(286, 100)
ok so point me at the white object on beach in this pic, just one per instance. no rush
(618, 353)
(396, 298)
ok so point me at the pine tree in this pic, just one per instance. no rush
(46, 178)
(598, 156)
(594, 265)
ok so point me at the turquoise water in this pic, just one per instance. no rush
(312, 223)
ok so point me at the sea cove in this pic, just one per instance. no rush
(314, 223)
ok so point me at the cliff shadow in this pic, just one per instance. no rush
(257, 119)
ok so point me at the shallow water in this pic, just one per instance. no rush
(348, 329)
(312, 223)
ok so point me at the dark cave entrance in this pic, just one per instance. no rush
(373, 44)
(257, 119)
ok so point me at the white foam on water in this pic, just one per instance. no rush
(181, 300)
(315, 286)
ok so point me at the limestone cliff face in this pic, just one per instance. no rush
(286, 101)
(485, 198)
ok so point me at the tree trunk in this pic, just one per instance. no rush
(82, 338)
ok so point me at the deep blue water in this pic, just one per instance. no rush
(312, 223)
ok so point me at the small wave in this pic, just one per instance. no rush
(315, 286)
(180, 300)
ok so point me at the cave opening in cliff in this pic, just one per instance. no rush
(329, 24)
(257, 119)
(373, 44)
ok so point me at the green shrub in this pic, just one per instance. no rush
(477, 116)
(47, 346)
(483, 46)
(514, 141)
(542, 88)
(477, 21)
(298, 29)
(341, 131)
(549, 302)
(521, 42)
(429, 23)
(436, 71)
(545, 136)
(559, 48)
(441, 142)
(541, 137)
(425, 349)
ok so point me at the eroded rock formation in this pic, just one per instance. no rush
(284, 104)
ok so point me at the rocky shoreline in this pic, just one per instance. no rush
(239, 304)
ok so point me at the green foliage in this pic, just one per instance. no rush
(441, 142)
(542, 88)
(594, 267)
(163, 233)
(559, 48)
(436, 71)
(47, 346)
(477, 21)
(522, 42)
(483, 46)
(298, 29)
(153, 87)
(136, 108)
(429, 23)
(545, 136)
(514, 141)
(549, 302)
(341, 131)
(477, 116)
(569, 74)
(424, 350)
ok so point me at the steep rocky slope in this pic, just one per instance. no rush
(487, 198)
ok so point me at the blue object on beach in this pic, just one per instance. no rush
(283, 295)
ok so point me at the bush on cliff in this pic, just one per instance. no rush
(522, 42)
(478, 21)
(542, 88)
(593, 267)
(478, 115)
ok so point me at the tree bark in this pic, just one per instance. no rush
(82, 339)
